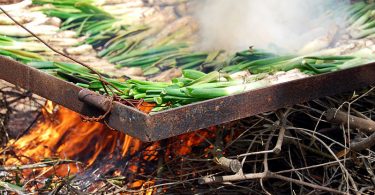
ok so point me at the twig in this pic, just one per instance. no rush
(265, 164)
(266, 174)
(298, 182)
(160, 166)
(36, 165)
(11, 188)
(369, 170)
(310, 167)
(279, 143)
(344, 170)
(281, 136)
(232, 165)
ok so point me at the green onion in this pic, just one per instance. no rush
(208, 93)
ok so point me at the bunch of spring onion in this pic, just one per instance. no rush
(193, 86)
(20, 50)
(128, 46)
(157, 58)
(160, 58)
(261, 62)
(85, 18)
(60, 2)
(151, 36)
(77, 74)
(324, 64)
(258, 61)
(20, 55)
(361, 20)
(36, 21)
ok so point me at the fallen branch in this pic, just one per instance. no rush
(264, 176)
(364, 125)
(230, 165)
(364, 144)
(339, 117)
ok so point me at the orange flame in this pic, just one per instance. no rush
(188, 141)
(65, 136)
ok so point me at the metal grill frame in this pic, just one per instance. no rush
(173, 122)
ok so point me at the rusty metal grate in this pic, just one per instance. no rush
(165, 124)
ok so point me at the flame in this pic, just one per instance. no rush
(63, 135)
(49, 107)
(188, 141)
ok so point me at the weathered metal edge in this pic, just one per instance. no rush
(221, 110)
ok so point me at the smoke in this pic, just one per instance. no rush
(277, 25)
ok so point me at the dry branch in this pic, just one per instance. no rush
(230, 165)
(364, 144)
(279, 143)
(365, 125)
(339, 117)
(263, 176)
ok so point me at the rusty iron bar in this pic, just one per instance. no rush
(94, 99)
(173, 122)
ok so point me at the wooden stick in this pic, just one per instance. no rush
(339, 117)
(230, 165)
(364, 144)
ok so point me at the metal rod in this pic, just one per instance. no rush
(94, 99)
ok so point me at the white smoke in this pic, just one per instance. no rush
(279, 25)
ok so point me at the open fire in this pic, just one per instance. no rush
(86, 148)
